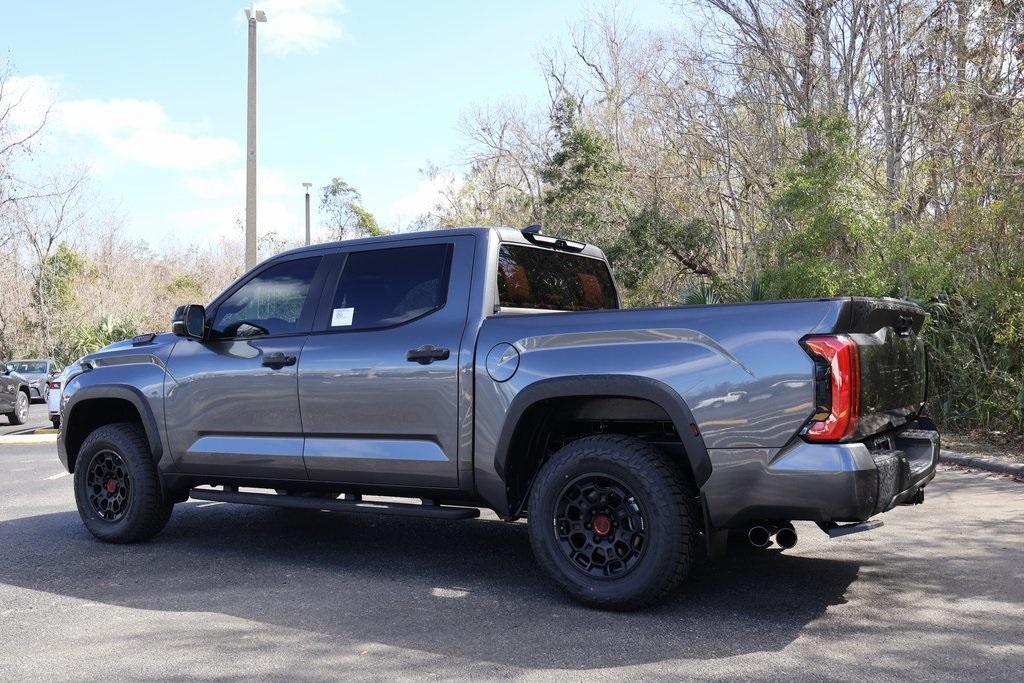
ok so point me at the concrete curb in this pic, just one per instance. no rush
(23, 439)
(982, 462)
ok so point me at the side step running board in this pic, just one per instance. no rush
(398, 509)
(836, 530)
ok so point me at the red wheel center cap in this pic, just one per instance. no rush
(602, 525)
(111, 485)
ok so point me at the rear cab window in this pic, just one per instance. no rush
(546, 279)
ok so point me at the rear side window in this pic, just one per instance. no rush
(270, 303)
(386, 287)
(529, 277)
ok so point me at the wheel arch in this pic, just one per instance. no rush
(530, 406)
(94, 406)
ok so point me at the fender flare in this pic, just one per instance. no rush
(124, 392)
(623, 386)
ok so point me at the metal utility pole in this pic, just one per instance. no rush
(307, 186)
(254, 16)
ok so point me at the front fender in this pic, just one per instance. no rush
(141, 385)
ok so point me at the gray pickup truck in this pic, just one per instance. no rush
(493, 367)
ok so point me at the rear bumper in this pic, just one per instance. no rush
(819, 482)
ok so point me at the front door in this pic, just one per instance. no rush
(378, 377)
(8, 389)
(232, 404)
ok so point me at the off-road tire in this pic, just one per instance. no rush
(19, 415)
(146, 511)
(670, 515)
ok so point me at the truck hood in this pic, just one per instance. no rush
(158, 346)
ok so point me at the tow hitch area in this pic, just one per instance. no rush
(836, 530)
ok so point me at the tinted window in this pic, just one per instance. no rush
(390, 286)
(270, 303)
(553, 280)
(30, 366)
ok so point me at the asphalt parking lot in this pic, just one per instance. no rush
(239, 592)
(38, 416)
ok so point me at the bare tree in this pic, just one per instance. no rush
(42, 225)
(16, 141)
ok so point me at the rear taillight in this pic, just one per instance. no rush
(53, 385)
(836, 387)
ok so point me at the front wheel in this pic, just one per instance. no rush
(117, 487)
(19, 415)
(612, 520)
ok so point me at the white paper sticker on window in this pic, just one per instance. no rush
(342, 317)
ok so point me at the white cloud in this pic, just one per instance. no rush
(132, 130)
(140, 131)
(30, 97)
(423, 199)
(220, 203)
(299, 25)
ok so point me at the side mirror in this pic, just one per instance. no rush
(189, 321)
(8, 368)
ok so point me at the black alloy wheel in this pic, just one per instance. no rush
(599, 526)
(108, 486)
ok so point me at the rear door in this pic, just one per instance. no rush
(231, 401)
(378, 377)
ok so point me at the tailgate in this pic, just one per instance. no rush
(893, 361)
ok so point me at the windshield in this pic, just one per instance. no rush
(30, 366)
(530, 277)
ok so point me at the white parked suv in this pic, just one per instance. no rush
(53, 392)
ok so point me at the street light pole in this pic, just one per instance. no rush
(307, 186)
(253, 15)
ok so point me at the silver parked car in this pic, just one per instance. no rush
(38, 372)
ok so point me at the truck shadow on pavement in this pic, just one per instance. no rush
(468, 589)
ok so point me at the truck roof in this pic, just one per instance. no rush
(505, 234)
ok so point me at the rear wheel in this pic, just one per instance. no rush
(19, 415)
(117, 487)
(613, 521)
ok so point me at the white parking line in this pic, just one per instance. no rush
(206, 505)
(58, 475)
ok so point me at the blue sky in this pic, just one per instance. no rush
(151, 97)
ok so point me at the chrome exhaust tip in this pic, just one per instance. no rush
(759, 536)
(786, 538)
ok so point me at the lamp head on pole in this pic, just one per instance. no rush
(307, 186)
(253, 14)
